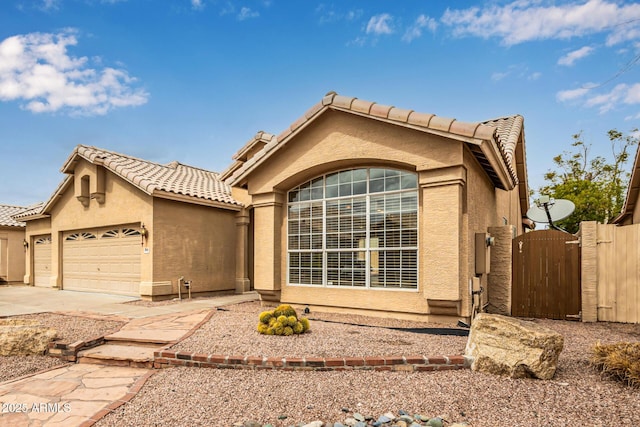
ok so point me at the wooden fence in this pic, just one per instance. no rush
(546, 275)
(610, 272)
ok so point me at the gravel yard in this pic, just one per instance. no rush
(70, 329)
(209, 397)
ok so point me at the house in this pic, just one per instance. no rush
(123, 225)
(368, 208)
(12, 248)
(631, 210)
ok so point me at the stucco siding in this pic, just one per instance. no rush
(123, 204)
(339, 141)
(195, 242)
(12, 253)
(481, 214)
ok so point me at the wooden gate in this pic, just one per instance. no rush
(546, 275)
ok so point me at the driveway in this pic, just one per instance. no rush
(16, 300)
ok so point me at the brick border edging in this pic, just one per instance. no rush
(69, 352)
(165, 358)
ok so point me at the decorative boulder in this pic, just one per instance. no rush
(507, 346)
(21, 337)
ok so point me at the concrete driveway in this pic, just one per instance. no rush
(15, 300)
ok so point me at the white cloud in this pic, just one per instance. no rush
(570, 58)
(519, 71)
(415, 30)
(197, 4)
(380, 24)
(526, 20)
(535, 76)
(497, 76)
(247, 13)
(37, 70)
(571, 94)
(329, 15)
(621, 94)
(50, 4)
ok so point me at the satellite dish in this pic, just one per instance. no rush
(549, 210)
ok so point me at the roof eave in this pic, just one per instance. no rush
(34, 217)
(494, 156)
(196, 200)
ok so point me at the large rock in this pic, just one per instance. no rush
(517, 348)
(21, 337)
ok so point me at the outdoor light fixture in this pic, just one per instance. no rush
(143, 231)
(25, 243)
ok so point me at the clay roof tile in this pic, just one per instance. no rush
(7, 214)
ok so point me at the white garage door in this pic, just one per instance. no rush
(42, 261)
(105, 260)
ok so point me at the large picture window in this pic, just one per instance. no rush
(356, 228)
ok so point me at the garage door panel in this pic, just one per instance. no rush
(102, 261)
(42, 261)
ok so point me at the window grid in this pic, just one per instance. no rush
(343, 225)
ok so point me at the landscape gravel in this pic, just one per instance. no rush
(69, 329)
(182, 396)
(210, 397)
(233, 332)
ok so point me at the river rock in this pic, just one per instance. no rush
(507, 346)
(22, 337)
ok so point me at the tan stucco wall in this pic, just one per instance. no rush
(196, 242)
(123, 205)
(456, 201)
(508, 207)
(12, 251)
(481, 208)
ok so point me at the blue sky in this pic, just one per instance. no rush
(193, 80)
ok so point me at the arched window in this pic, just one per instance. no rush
(356, 228)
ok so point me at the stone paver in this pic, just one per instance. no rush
(65, 396)
(79, 394)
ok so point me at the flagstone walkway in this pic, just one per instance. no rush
(77, 395)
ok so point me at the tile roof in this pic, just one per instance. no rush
(6, 216)
(256, 143)
(154, 178)
(34, 209)
(503, 133)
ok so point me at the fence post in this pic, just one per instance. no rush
(499, 280)
(589, 247)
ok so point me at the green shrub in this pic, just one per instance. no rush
(620, 361)
(282, 321)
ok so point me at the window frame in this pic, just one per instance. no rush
(366, 249)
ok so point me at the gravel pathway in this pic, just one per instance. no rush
(70, 329)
